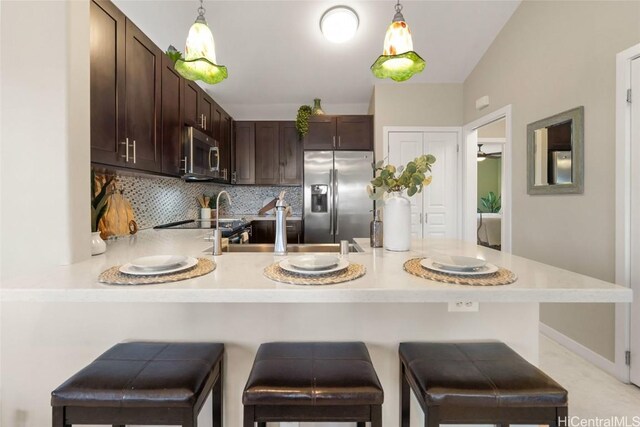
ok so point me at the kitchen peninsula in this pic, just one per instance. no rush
(63, 319)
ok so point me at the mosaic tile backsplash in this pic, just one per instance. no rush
(159, 200)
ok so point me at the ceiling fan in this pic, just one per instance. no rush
(482, 155)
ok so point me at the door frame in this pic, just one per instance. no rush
(454, 129)
(623, 206)
(470, 183)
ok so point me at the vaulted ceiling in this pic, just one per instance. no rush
(276, 54)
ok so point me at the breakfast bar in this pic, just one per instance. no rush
(62, 319)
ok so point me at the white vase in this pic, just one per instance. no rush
(98, 246)
(397, 222)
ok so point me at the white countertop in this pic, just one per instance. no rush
(238, 278)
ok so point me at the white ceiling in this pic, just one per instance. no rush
(276, 54)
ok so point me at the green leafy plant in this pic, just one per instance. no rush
(99, 201)
(302, 120)
(213, 201)
(412, 177)
(491, 203)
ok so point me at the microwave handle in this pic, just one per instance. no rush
(211, 151)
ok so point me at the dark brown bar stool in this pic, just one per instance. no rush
(313, 382)
(143, 383)
(477, 383)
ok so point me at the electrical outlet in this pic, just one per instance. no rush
(464, 306)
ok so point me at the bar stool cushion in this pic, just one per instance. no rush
(486, 374)
(142, 374)
(320, 373)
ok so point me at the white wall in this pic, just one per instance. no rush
(415, 104)
(550, 57)
(287, 112)
(44, 134)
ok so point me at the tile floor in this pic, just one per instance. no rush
(592, 392)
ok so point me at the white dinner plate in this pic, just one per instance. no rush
(158, 262)
(134, 271)
(314, 262)
(430, 264)
(286, 265)
(458, 263)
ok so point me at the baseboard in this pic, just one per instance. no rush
(586, 353)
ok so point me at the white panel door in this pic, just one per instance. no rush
(635, 222)
(441, 197)
(404, 147)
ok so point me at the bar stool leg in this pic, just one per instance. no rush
(216, 399)
(249, 413)
(405, 399)
(57, 417)
(431, 417)
(376, 416)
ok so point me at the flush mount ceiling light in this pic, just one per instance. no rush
(199, 61)
(398, 60)
(339, 24)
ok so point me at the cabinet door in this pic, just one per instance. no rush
(245, 153)
(290, 154)
(172, 91)
(205, 112)
(226, 126)
(294, 232)
(267, 153)
(142, 100)
(191, 99)
(217, 124)
(322, 133)
(107, 47)
(263, 231)
(354, 133)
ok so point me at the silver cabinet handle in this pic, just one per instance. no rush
(134, 151)
(339, 141)
(335, 205)
(205, 122)
(185, 164)
(331, 201)
(126, 149)
(334, 141)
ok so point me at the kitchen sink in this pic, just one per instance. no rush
(292, 248)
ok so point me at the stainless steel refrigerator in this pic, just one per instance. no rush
(336, 204)
(561, 172)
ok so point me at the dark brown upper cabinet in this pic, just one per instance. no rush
(244, 171)
(339, 133)
(107, 47)
(143, 62)
(226, 128)
(125, 92)
(354, 133)
(205, 113)
(322, 133)
(191, 102)
(172, 120)
(291, 154)
(267, 153)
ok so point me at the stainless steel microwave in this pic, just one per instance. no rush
(201, 160)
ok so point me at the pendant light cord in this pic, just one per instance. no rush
(202, 10)
(398, 7)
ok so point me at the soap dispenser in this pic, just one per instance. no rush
(375, 230)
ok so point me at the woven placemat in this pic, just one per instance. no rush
(354, 271)
(500, 277)
(113, 276)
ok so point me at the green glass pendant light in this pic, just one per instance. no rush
(199, 61)
(398, 60)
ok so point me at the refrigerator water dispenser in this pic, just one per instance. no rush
(319, 198)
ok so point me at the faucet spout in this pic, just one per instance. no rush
(217, 233)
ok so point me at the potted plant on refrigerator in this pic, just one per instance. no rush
(393, 185)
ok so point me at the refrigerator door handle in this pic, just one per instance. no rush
(331, 206)
(335, 198)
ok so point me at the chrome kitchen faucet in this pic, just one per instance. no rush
(217, 233)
